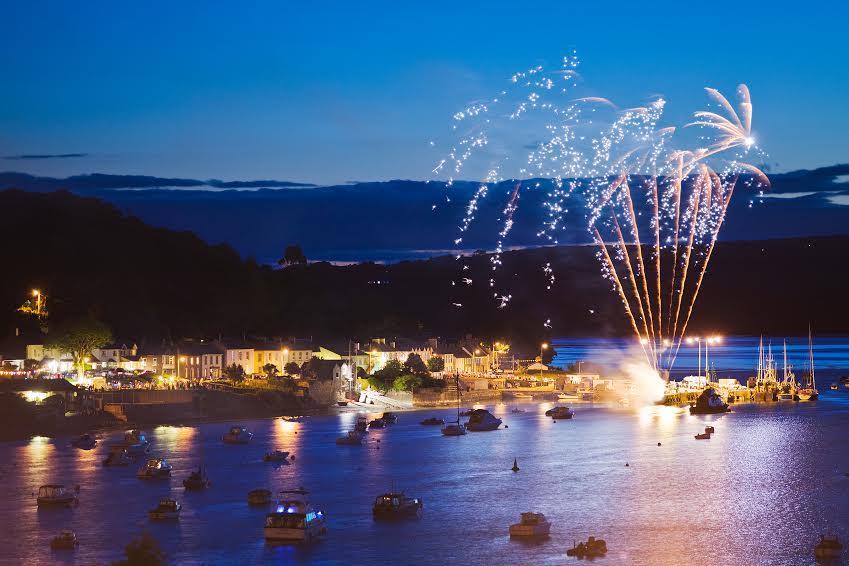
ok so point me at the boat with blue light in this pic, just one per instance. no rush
(295, 519)
(154, 469)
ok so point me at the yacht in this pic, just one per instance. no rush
(66, 540)
(117, 457)
(559, 413)
(456, 428)
(84, 442)
(809, 392)
(390, 418)
(482, 420)
(54, 495)
(197, 481)
(295, 519)
(136, 443)
(351, 438)
(155, 468)
(396, 505)
(787, 388)
(237, 435)
(531, 525)
(276, 456)
(259, 497)
(167, 510)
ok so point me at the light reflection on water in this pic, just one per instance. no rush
(760, 490)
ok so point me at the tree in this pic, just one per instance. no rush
(292, 368)
(415, 365)
(31, 365)
(407, 382)
(142, 551)
(270, 370)
(79, 338)
(234, 373)
(385, 376)
(292, 255)
(436, 363)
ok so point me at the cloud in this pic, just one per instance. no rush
(45, 156)
(840, 200)
(789, 195)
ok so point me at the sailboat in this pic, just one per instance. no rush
(809, 392)
(788, 382)
(455, 428)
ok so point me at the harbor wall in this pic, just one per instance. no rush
(436, 398)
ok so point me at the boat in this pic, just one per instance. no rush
(593, 548)
(167, 510)
(433, 421)
(709, 430)
(351, 438)
(834, 387)
(709, 403)
(482, 420)
(521, 395)
(517, 410)
(396, 505)
(567, 397)
(276, 456)
(703, 436)
(259, 497)
(342, 403)
(559, 413)
(66, 540)
(361, 424)
(84, 442)
(295, 519)
(55, 495)
(377, 423)
(456, 428)
(787, 388)
(390, 418)
(237, 435)
(587, 394)
(466, 413)
(196, 481)
(809, 392)
(154, 469)
(531, 525)
(624, 402)
(136, 443)
(828, 548)
(117, 457)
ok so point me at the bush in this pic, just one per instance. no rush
(407, 382)
(436, 363)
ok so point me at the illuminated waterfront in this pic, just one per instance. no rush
(760, 491)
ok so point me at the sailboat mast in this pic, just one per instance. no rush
(811, 358)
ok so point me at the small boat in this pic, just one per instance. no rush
(433, 421)
(517, 410)
(55, 495)
(709, 403)
(531, 525)
(834, 387)
(454, 429)
(295, 519)
(786, 396)
(276, 456)
(154, 469)
(167, 510)
(389, 418)
(259, 497)
(593, 548)
(828, 548)
(377, 423)
(709, 430)
(396, 505)
(342, 403)
(361, 424)
(567, 397)
(482, 420)
(703, 436)
(197, 480)
(136, 443)
(237, 435)
(559, 413)
(519, 395)
(351, 438)
(117, 457)
(66, 540)
(84, 442)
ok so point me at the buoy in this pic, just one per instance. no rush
(554, 421)
(658, 443)
(515, 467)
(505, 426)
(292, 456)
(626, 465)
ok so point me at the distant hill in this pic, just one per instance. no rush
(152, 284)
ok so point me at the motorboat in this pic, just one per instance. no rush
(237, 435)
(709, 430)
(351, 438)
(454, 429)
(482, 420)
(84, 442)
(559, 413)
(593, 548)
(786, 396)
(259, 497)
(520, 395)
(361, 424)
(396, 505)
(466, 413)
(587, 394)
(167, 510)
(531, 525)
(66, 540)
(295, 519)
(276, 456)
(433, 421)
(834, 387)
(342, 403)
(709, 403)
(117, 457)
(389, 418)
(828, 548)
(567, 397)
(517, 410)
(155, 468)
(377, 423)
(703, 436)
(197, 480)
(136, 443)
(55, 495)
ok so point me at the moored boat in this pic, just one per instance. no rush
(828, 548)
(361, 424)
(117, 457)
(237, 435)
(396, 505)
(560, 413)
(482, 420)
(433, 421)
(377, 423)
(66, 540)
(834, 387)
(55, 495)
(709, 430)
(155, 468)
(389, 418)
(84, 442)
(593, 548)
(259, 497)
(167, 510)
(295, 519)
(351, 438)
(709, 403)
(703, 436)
(276, 456)
(197, 480)
(531, 525)
(136, 443)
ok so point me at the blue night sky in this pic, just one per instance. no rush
(338, 91)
